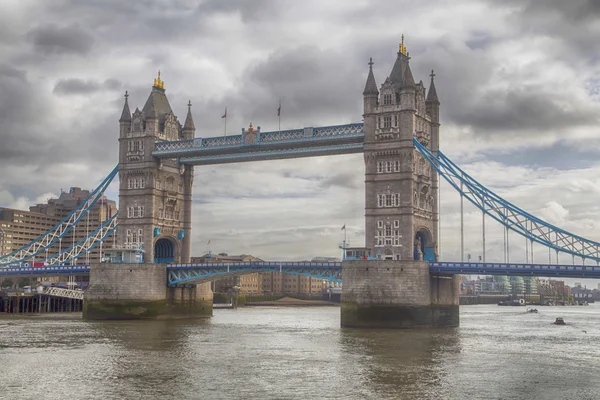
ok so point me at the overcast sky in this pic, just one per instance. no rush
(519, 83)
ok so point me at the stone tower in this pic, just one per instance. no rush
(155, 196)
(401, 207)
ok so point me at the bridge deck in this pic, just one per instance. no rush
(186, 273)
(256, 145)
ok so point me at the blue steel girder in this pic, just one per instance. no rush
(56, 233)
(515, 269)
(261, 141)
(509, 215)
(181, 274)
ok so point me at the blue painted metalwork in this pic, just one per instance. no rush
(56, 233)
(180, 274)
(509, 215)
(49, 270)
(546, 270)
(265, 140)
(164, 250)
(273, 154)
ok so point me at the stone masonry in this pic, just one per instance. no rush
(401, 207)
(155, 196)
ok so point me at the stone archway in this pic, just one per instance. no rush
(423, 246)
(388, 255)
(164, 251)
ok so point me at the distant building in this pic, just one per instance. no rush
(22, 227)
(266, 282)
(248, 283)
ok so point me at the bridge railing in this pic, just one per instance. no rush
(294, 136)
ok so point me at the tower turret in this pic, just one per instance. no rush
(125, 120)
(188, 127)
(433, 102)
(370, 99)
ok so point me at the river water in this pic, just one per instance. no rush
(301, 353)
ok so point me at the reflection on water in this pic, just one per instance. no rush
(301, 353)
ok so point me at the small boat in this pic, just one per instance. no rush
(559, 321)
(532, 310)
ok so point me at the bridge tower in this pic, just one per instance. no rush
(155, 210)
(155, 196)
(401, 205)
(401, 211)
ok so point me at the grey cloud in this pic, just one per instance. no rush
(520, 109)
(51, 39)
(572, 22)
(81, 86)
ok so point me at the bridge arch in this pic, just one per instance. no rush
(423, 245)
(166, 250)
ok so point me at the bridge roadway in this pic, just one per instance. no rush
(182, 274)
(253, 145)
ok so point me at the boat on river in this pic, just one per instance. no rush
(559, 321)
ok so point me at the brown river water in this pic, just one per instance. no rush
(302, 353)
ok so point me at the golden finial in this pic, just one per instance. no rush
(250, 129)
(402, 47)
(158, 83)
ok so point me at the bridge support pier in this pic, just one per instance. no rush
(397, 294)
(139, 291)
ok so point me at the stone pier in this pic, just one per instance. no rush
(139, 291)
(397, 294)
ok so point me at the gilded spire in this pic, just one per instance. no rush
(402, 48)
(158, 82)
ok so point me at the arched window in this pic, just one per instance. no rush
(170, 183)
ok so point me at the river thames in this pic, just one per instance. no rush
(302, 353)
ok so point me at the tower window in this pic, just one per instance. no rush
(395, 120)
(387, 121)
(379, 123)
(387, 99)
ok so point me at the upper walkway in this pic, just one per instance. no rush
(254, 145)
(179, 274)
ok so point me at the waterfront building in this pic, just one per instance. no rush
(267, 282)
(248, 283)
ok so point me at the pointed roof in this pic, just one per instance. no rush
(126, 114)
(408, 77)
(432, 96)
(401, 74)
(157, 105)
(189, 121)
(371, 86)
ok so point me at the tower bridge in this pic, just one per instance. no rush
(398, 282)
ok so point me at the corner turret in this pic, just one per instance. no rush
(125, 120)
(188, 127)
(370, 93)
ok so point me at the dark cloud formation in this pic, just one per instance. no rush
(573, 23)
(81, 87)
(510, 72)
(52, 39)
(514, 110)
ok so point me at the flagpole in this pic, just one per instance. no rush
(225, 123)
(279, 115)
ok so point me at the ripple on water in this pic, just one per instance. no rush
(292, 353)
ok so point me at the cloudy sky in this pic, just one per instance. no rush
(519, 82)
